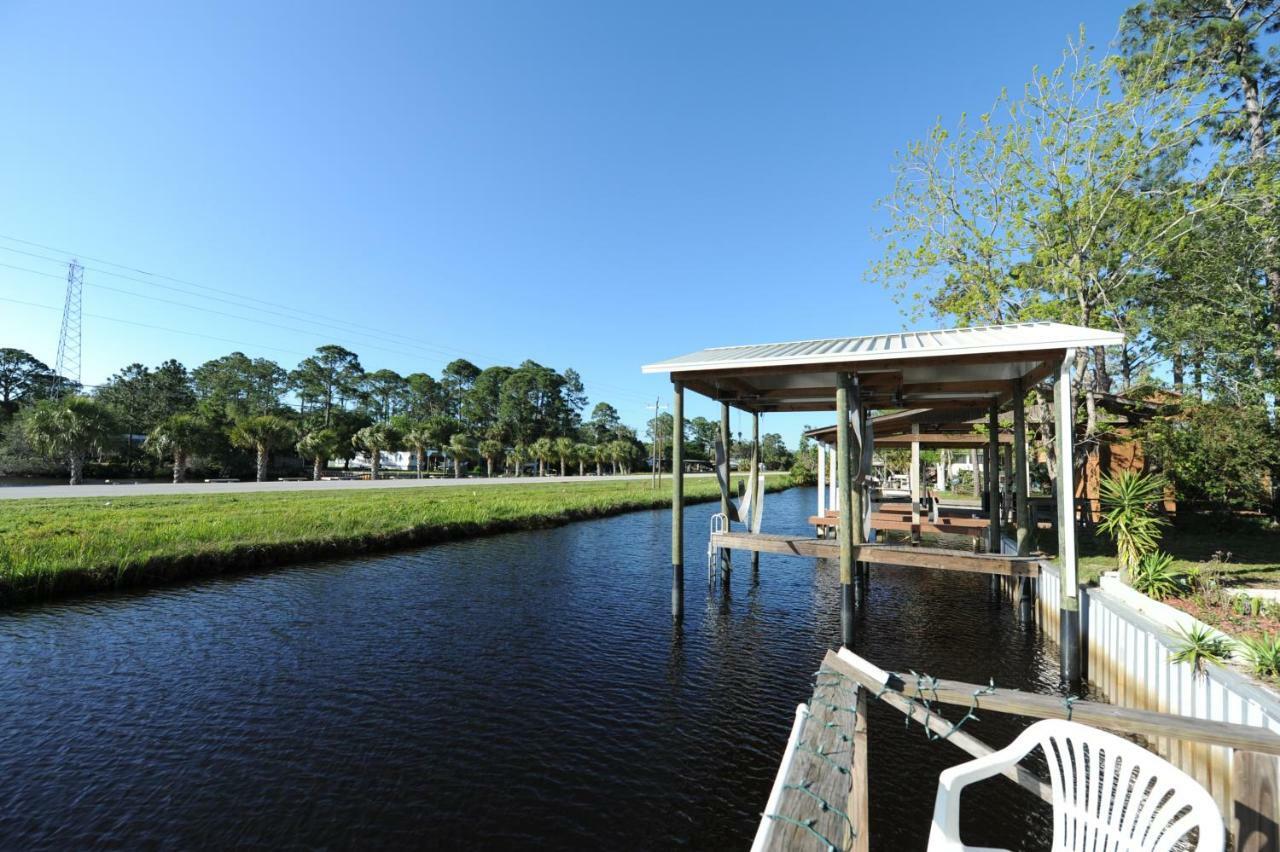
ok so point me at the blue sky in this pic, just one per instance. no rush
(591, 185)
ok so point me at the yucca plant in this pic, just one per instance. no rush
(1201, 644)
(1154, 576)
(1129, 515)
(1263, 653)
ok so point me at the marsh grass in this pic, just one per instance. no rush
(52, 548)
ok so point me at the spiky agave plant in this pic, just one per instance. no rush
(1263, 653)
(1129, 515)
(1201, 644)
(1154, 576)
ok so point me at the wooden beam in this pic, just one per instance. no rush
(1112, 717)
(859, 806)
(939, 439)
(899, 555)
(871, 366)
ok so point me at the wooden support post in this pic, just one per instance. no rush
(914, 481)
(1006, 490)
(974, 458)
(822, 485)
(1021, 511)
(865, 470)
(993, 477)
(833, 489)
(1255, 786)
(726, 563)
(755, 489)
(850, 513)
(677, 501)
(1069, 613)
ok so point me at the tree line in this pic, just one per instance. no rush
(1136, 189)
(235, 414)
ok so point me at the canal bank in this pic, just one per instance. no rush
(518, 691)
(57, 548)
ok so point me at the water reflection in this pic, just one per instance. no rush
(527, 691)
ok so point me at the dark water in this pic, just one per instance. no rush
(527, 690)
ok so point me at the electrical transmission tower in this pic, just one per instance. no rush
(68, 363)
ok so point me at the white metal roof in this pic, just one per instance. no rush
(1019, 337)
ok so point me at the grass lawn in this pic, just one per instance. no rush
(54, 547)
(1249, 551)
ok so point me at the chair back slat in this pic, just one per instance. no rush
(1110, 793)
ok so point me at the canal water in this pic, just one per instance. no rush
(520, 691)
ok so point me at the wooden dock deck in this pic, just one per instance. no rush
(882, 554)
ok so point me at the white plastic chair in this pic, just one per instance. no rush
(1108, 793)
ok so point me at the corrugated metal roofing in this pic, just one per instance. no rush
(1020, 337)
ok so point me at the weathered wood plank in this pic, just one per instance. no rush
(1109, 716)
(1256, 810)
(894, 521)
(859, 807)
(883, 554)
(811, 799)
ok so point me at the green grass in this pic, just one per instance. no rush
(51, 548)
(1253, 548)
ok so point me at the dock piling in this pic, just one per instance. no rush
(993, 477)
(1069, 622)
(849, 510)
(726, 564)
(677, 501)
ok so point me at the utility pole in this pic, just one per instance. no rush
(656, 456)
(68, 364)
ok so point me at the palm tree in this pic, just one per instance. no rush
(490, 449)
(620, 452)
(564, 447)
(518, 455)
(600, 452)
(262, 434)
(462, 448)
(542, 450)
(582, 452)
(418, 437)
(319, 445)
(440, 429)
(372, 440)
(69, 428)
(177, 436)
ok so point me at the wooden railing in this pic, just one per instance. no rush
(821, 789)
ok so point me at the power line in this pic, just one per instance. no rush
(292, 310)
(204, 310)
(343, 325)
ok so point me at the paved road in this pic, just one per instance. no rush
(20, 492)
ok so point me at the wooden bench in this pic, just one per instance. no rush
(293, 479)
(224, 479)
